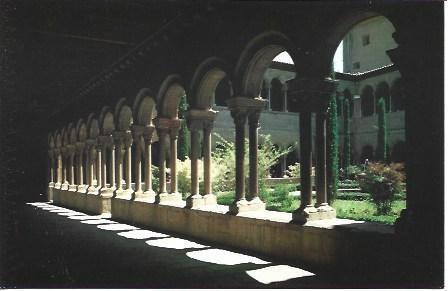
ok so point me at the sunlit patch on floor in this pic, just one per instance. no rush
(97, 221)
(38, 203)
(142, 234)
(70, 213)
(223, 257)
(175, 243)
(60, 210)
(278, 273)
(117, 226)
(84, 217)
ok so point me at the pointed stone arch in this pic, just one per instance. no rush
(145, 107)
(123, 116)
(106, 121)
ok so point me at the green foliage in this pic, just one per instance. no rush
(382, 182)
(280, 200)
(351, 172)
(333, 150)
(382, 131)
(293, 170)
(366, 211)
(347, 134)
(155, 177)
(183, 142)
(224, 161)
(348, 184)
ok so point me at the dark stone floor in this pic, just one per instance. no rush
(43, 249)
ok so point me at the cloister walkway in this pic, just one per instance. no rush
(62, 248)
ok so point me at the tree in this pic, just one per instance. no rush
(347, 146)
(333, 150)
(183, 143)
(381, 153)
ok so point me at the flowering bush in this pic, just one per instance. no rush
(382, 182)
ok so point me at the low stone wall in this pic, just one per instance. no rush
(320, 245)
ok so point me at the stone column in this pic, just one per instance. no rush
(254, 200)
(209, 197)
(104, 166)
(194, 200)
(80, 147)
(128, 192)
(138, 166)
(112, 167)
(58, 168)
(313, 96)
(162, 132)
(321, 167)
(240, 132)
(65, 166)
(93, 158)
(72, 186)
(51, 161)
(285, 97)
(148, 194)
(174, 132)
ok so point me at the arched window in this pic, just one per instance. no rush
(348, 95)
(367, 101)
(398, 152)
(276, 95)
(367, 152)
(382, 91)
(397, 95)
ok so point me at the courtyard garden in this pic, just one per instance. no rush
(373, 192)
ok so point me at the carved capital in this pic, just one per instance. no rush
(239, 117)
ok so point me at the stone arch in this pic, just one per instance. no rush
(58, 139)
(65, 136)
(144, 107)
(168, 97)
(106, 121)
(72, 134)
(397, 96)
(93, 129)
(205, 80)
(123, 116)
(81, 130)
(367, 152)
(255, 60)
(367, 101)
(328, 45)
(382, 90)
(51, 141)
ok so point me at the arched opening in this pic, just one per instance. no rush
(82, 162)
(366, 153)
(276, 100)
(223, 92)
(382, 91)
(367, 101)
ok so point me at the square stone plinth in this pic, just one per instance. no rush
(244, 205)
(124, 194)
(168, 198)
(311, 213)
(195, 201)
(147, 196)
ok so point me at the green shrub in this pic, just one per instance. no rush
(279, 199)
(333, 150)
(155, 178)
(293, 170)
(382, 182)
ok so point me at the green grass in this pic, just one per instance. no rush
(349, 209)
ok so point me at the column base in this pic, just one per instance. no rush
(107, 192)
(93, 190)
(51, 184)
(147, 196)
(303, 215)
(326, 211)
(210, 199)
(124, 194)
(72, 188)
(195, 201)
(168, 197)
(57, 185)
(65, 186)
(82, 189)
(243, 205)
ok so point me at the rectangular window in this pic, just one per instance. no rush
(365, 40)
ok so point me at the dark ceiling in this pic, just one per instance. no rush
(63, 44)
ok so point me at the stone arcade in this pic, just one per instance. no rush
(101, 162)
